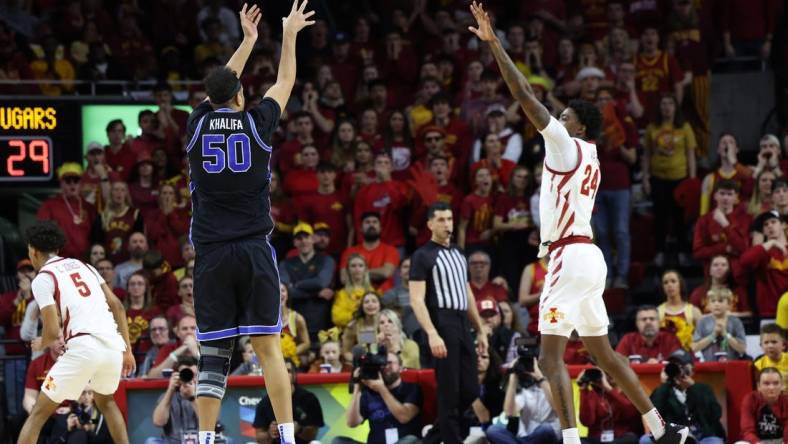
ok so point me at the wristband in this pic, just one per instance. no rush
(174, 357)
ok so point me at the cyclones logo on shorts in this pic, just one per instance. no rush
(49, 383)
(553, 315)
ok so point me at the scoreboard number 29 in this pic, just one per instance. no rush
(27, 158)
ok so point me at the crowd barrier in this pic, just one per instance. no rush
(731, 381)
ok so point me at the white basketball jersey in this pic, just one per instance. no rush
(566, 199)
(75, 289)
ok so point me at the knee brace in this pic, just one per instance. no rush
(214, 367)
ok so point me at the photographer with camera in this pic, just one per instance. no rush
(78, 422)
(608, 414)
(176, 411)
(380, 396)
(307, 414)
(683, 401)
(527, 395)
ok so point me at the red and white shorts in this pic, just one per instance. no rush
(572, 294)
(87, 360)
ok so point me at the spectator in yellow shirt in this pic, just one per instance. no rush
(773, 343)
(52, 65)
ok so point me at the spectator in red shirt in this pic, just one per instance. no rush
(70, 211)
(168, 226)
(119, 154)
(151, 138)
(500, 168)
(649, 344)
(290, 151)
(458, 134)
(730, 168)
(186, 307)
(476, 215)
(164, 291)
(172, 121)
(748, 27)
(382, 259)
(143, 185)
(385, 197)
(724, 230)
(430, 186)
(302, 181)
(769, 262)
(719, 276)
(186, 345)
(608, 414)
(139, 312)
(369, 127)
(13, 305)
(37, 372)
(398, 141)
(657, 73)
(479, 264)
(764, 411)
(513, 223)
(329, 207)
(363, 172)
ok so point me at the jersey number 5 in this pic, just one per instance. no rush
(82, 287)
(237, 156)
(590, 182)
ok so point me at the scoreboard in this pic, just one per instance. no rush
(35, 138)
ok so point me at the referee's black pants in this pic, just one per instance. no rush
(456, 375)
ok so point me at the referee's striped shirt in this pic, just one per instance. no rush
(445, 271)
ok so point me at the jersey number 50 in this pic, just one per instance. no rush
(590, 182)
(236, 155)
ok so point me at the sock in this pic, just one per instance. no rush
(206, 437)
(571, 436)
(286, 433)
(655, 423)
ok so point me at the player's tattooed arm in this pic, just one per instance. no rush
(515, 80)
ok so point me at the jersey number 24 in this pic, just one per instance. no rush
(236, 155)
(590, 182)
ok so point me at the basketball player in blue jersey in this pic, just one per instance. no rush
(236, 282)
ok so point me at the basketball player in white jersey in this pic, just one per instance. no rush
(71, 292)
(572, 296)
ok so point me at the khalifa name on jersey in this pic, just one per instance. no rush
(225, 123)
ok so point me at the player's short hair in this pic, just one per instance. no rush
(726, 184)
(435, 207)
(771, 329)
(45, 236)
(588, 114)
(114, 122)
(221, 85)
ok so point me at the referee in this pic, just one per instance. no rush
(443, 303)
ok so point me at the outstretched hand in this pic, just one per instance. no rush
(297, 19)
(484, 30)
(250, 18)
(424, 184)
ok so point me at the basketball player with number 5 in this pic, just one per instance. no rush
(572, 295)
(94, 327)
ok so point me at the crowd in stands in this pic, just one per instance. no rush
(396, 107)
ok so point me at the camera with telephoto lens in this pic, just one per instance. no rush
(591, 376)
(527, 352)
(186, 374)
(82, 414)
(371, 364)
(675, 372)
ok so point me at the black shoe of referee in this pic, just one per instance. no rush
(676, 434)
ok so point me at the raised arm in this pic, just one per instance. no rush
(249, 18)
(515, 80)
(285, 78)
